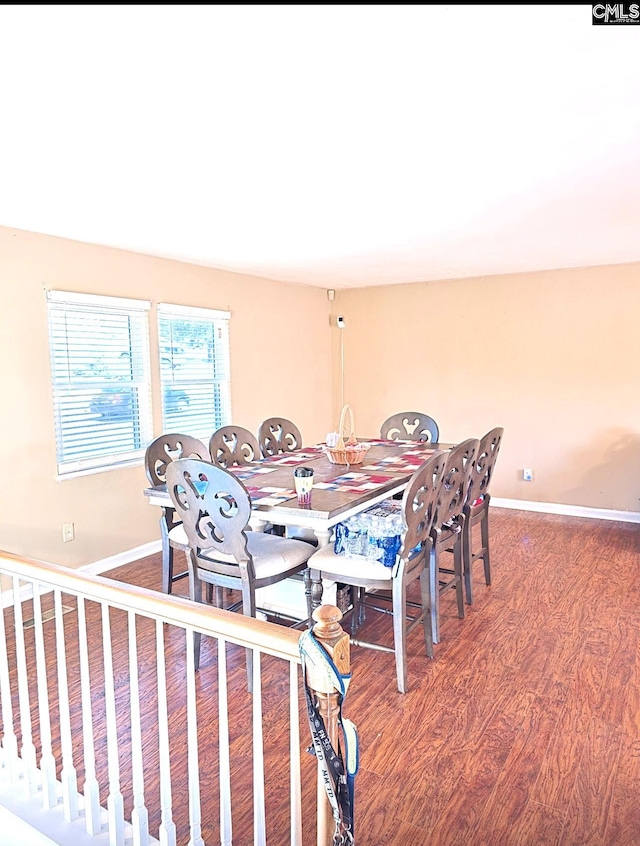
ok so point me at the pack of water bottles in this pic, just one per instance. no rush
(374, 534)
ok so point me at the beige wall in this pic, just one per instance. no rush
(280, 365)
(552, 357)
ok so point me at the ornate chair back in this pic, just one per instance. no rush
(456, 482)
(277, 435)
(167, 448)
(410, 425)
(476, 510)
(484, 463)
(214, 508)
(419, 506)
(233, 445)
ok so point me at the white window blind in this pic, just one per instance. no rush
(100, 376)
(194, 369)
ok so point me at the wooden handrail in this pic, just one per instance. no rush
(175, 610)
(279, 641)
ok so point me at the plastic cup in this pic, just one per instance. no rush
(303, 479)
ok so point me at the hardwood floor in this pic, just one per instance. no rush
(524, 729)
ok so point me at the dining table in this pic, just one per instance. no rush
(339, 491)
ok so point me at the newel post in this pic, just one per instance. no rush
(336, 641)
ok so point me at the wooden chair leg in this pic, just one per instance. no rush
(484, 529)
(306, 577)
(458, 575)
(467, 559)
(167, 564)
(362, 606)
(425, 595)
(195, 593)
(400, 632)
(357, 611)
(434, 587)
(249, 610)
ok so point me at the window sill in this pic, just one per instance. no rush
(90, 471)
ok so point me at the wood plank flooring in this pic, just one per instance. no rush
(524, 729)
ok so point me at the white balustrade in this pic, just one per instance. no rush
(294, 751)
(226, 824)
(139, 814)
(259, 821)
(91, 786)
(77, 719)
(68, 774)
(167, 832)
(47, 759)
(115, 800)
(193, 766)
(10, 755)
(28, 750)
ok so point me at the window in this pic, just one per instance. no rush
(194, 369)
(100, 375)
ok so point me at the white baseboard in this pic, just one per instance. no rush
(122, 558)
(567, 510)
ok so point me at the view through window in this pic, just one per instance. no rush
(100, 376)
(194, 369)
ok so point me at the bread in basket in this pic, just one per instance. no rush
(347, 450)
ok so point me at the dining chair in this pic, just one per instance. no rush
(215, 507)
(476, 509)
(159, 455)
(448, 530)
(410, 425)
(231, 446)
(391, 583)
(277, 435)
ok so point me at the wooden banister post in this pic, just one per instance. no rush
(336, 641)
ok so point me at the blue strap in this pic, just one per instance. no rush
(338, 775)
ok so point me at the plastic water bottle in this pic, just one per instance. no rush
(362, 535)
(387, 535)
(390, 545)
(352, 542)
(374, 551)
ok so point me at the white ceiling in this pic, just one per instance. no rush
(326, 145)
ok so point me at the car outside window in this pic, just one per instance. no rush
(194, 369)
(100, 377)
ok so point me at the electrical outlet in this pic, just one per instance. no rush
(527, 475)
(68, 533)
